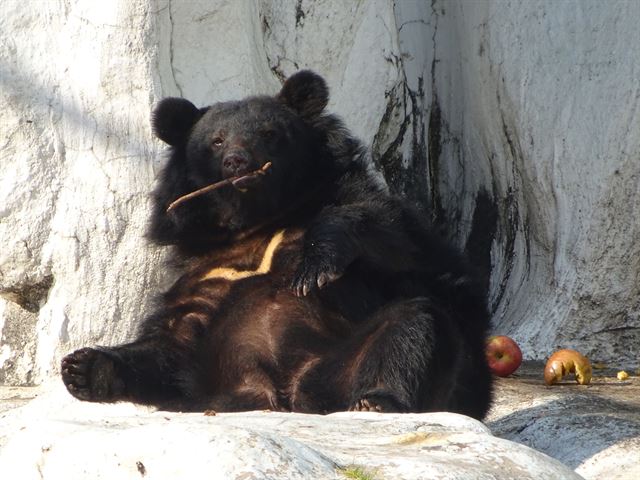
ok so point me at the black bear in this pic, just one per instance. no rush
(305, 285)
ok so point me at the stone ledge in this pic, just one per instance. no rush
(594, 429)
(55, 436)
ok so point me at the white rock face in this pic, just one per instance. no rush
(77, 162)
(539, 159)
(57, 437)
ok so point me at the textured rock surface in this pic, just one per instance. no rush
(594, 429)
(76, 164)
(525, 116)
(56, 437)
(535, 109)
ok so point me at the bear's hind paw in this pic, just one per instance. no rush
(90, 375)
(378, 402)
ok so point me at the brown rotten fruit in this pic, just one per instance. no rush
(567, 361)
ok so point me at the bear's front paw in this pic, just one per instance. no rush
(90, 375)
(314, 273)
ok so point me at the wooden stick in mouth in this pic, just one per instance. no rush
(214, 186)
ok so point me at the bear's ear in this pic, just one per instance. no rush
(173, 118)
(306, 93)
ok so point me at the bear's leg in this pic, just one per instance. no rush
(473, 391)
(405, 358)
(145, 371)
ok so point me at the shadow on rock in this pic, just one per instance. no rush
(571, 429)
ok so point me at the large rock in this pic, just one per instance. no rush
(56, 437)
(594, 429)
(534, 162)
(77, 163)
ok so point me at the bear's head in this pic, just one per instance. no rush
(230, 140)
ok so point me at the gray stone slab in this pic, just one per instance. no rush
(57, 437)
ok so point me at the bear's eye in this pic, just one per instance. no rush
(269, 135)
(217, 142)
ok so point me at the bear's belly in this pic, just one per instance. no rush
(263, 337)
(265, 317)
(254, 335)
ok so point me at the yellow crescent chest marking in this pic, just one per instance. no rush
(264, 267)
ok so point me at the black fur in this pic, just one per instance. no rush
(362, 307)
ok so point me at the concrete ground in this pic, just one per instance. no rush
(527, 384)
(14, 397)
(594, 429)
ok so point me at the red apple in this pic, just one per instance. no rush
(503, 354)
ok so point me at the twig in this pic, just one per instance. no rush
(214, 186)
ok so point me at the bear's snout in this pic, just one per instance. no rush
(235, 163)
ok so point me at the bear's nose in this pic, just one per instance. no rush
(235, 163)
